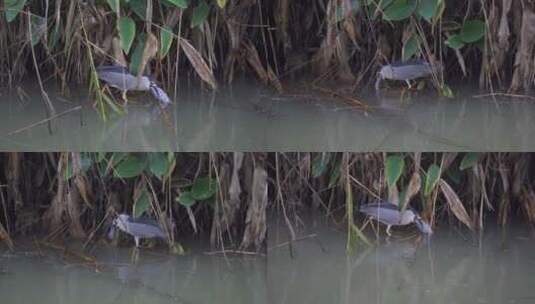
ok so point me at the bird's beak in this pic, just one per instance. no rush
(424, 227)
(160, 94)
(111, 232)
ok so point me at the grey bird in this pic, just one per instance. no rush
(405, 71)
(390, 215)
(142, 228)
(119, 77)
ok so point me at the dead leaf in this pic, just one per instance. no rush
(198, 63)
(413, 188)
(455, 204)
(192, 219)
(150, 50)
(255, 229)
(522, 69)
(118, 54)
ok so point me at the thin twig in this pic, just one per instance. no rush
(349, 99)
(229, 251)
(293, 240)
(44, 120)
(505, 95)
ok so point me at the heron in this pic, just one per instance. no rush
(405, 71)
(119, 77)
(141, 228)
(390, 215)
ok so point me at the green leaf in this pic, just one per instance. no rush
(139, 7)
(101, 156)
(446, 91)
(130, 166)
(480, 44)
(159, 163)
(455, 42)
(137, 55)
(384, 3)
(431, 179)
(469, 160)
(400, 10)
(410, 48)
(55, 35)
(166, 40)
(204, 188)
(13, 8)
(372, 7)
(38, 28)
(179, 3)
(127, 32)
(393, 169)
(117, 157)
(222, 3)
(186, 199)
(428, 9)
(142, 204)
(200, 14)
(335, 175)
(86, 160)
(177, 249)
(85, 163)
(454, 175)
(114, 5)
(472, 31)
(320, 163)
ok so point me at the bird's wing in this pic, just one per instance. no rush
(113, 69)
(387, 216)
(382, 205)
(148, 227)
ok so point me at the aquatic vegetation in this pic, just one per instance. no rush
(227, 196)
(216, 41)
(466, 189)
(89, 189)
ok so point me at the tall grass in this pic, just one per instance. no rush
(468, 190)
(76, 195)
(227, 196)
(216, 41)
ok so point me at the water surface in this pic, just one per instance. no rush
(248, 117)
(453, 268)
(53, 278)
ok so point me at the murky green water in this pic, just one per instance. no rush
(250, 118)
(157, 278)
(453, 268)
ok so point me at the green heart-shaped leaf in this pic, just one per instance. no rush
(400, 10)
(204, 188)
(472, 31)
(127, 32)
(393, 169)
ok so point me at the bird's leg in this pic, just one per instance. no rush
(125, 99)
(135, 252)
(135, 255)
(388, 230)
(388, 233)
